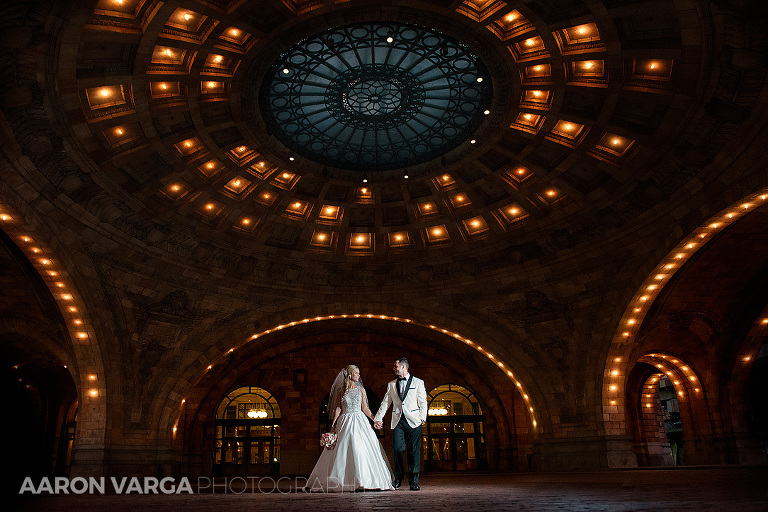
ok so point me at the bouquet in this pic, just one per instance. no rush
(328, 440)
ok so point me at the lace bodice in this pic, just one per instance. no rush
(352, 401)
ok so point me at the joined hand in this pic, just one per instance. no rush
(378, 425)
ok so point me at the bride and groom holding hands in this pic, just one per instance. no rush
(357, 460)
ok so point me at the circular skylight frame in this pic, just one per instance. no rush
(375, 96)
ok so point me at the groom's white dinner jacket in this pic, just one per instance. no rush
(414, 407)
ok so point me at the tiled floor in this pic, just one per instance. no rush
(737, 489)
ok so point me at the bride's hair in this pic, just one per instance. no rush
(341, 385)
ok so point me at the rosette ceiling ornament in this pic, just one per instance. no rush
(375, 96)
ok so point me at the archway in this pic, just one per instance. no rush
(454, 438)
(247, 431)
(40, 400)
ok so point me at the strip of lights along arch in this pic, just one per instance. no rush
(375, 96)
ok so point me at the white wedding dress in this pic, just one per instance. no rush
(357, 461)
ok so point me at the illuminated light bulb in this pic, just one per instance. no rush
(297, 205)
(286, 71)
(118, 131)
(168, 52)
(187, 17)
(45, 262)
(486, 112)
(613, 402)
(218, 58)
(209, 206)
(187, 143)
(398, 237)
(329, 210)
(241, 149)
(747, 358)
(528, 116)
(582, 30)
(246, 221)
(35, 250)
(321, 237)
(437, 232)
(680, 393)
(460, 198)
(537, 93)
(648, 405)
(550, 193)
(537, 68)
(521, 171)
(26, 239)
(471, 142)
(175, 188)
(613, 387)
(511, 17)
(652, 287)
(237, 183)
(588, 65)
(475, 223)
(636, 310)
(266, 196)
(163, 86)
(427, 206)
(360, 239)
(615, 373)
(363, 190)
(479, 79)
(286, 176)
(615, 142)
(390, 39)
(77, 321)
(235, 32)
(653, 65)
(211, 85)
(72, 309)
(94, 393)
(625, 334)
(513, 211)
(567, 126)
(644, 298)
(105, 92)
(692, 378)
(529, 42)
(92, 377)
(82, 335)
(617, 359)
(60, 285)
(291, 158)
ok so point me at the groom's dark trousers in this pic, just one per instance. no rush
(407, 439)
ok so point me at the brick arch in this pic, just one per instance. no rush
(488, 344)
(483, 376)
(635, 332)
(643, 405)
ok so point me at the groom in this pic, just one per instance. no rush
(409, 412)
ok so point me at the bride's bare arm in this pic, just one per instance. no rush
(365, 408)
(335, 417)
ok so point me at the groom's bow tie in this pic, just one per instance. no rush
(400, 379)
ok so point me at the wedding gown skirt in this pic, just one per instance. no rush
(358, 460)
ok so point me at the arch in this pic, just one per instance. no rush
(620, 358)
(455, 430)
(174, 406)
(644, 408)
(83, 354)
(247, 433)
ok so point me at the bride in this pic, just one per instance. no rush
(357, 461)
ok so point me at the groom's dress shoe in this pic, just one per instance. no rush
(415, 488)
(396, 485)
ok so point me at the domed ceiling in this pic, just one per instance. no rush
(345, 130)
